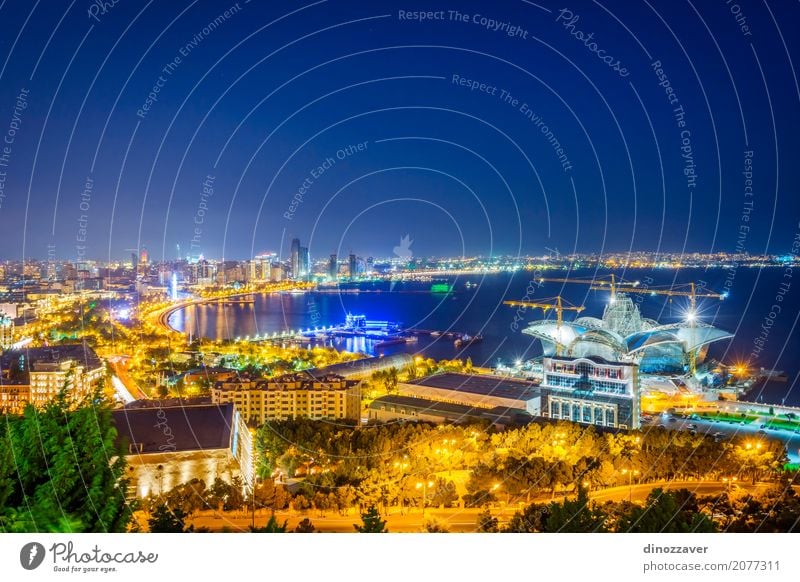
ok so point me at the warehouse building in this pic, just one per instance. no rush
(170, 445)
(476, 391)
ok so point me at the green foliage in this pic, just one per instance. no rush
(371, 522)
(61, 471)
(225, 496)
(532, 519)
(434, 526)
(577, 515)
(486, 523)
(667, 512)
(380, 464)
(305, 526)
(168, 520)
(189, 497)
(272, 526)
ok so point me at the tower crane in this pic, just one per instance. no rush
(556, 304)
(687, 290)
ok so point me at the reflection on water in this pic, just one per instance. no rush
(480, 309)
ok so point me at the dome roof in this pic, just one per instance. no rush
(691, 338)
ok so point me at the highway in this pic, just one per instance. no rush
(124, 386)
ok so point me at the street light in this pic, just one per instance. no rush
(630, 473)
(424, 486)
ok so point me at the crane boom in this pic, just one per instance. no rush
(615, 287)
(557, 305)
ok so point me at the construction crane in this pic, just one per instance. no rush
(687, 290)
(595, 284)
(557, 304)
(691, 315)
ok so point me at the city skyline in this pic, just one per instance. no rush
(461, 128)
(334, 266)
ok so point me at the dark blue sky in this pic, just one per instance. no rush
(261, 99)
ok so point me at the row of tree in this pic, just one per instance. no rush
(777, 510)
(61, 471)
(385, 463)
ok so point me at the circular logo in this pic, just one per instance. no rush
(31, 555)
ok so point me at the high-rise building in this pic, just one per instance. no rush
(295, 258)
(144, 256)
(305, 263)
(333, 267)
(6, 332)
(352, 265)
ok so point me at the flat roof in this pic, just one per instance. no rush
(81, 353)
(362, 366)
(448, 409)
(481, 384)
(596, 359)
(175, 428)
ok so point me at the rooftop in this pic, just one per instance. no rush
(55, 354)
(450, 411)
(175, 429)
(363, 366)
(481, 384)
(596, 359)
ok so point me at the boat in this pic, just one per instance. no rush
(441, 288)
(467, 340)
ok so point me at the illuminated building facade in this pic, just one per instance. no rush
(591, 390)
(6, 332)
(624, 335)
(168, 446)
(291, 396)
(36, 375)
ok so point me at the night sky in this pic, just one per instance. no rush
(229, 133)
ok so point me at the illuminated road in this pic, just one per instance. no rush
(457, 520)
(124, 385)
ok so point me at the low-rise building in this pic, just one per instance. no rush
(36, 375)
(408, 408)
(477, 391)
(170, 445)
(291, 396)
(591, 390)
(364, 367)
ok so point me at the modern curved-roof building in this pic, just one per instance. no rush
(624, 335)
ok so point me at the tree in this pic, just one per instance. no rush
(434, 526)
(226, 496)
(68, 473)
(486, 523)
(272, 526)
(575, 515)
(371, 522)
(667, 512)
(305, 526)
(168, 520)
(530, 520)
